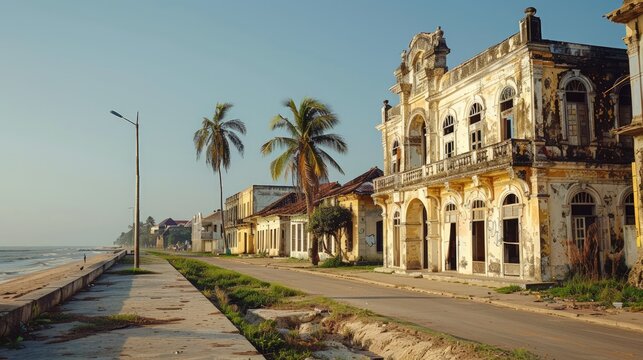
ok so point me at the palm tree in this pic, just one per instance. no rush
(303, 158)
(214, 137)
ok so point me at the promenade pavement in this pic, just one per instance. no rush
(196, 330)
(464, 288)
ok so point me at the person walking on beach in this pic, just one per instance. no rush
(85, 258)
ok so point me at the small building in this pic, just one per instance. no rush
(207, 233)
(364, 241)
(501, 166)
(239, 233)
(281, 226)
(165, 228)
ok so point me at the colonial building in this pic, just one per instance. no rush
(631, 14)
(496, 166)
(207, 233)
(239, 233)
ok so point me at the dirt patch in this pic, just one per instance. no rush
(91, 325)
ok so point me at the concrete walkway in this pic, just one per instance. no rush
(619, 318)
(202, 331)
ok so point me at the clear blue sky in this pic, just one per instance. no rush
(66, 164)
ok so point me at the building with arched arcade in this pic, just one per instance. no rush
(496, 166)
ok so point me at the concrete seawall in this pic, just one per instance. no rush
(32, 304)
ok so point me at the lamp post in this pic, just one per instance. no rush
(137, 208)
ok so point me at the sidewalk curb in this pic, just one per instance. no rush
(41, 300)
(500, 303)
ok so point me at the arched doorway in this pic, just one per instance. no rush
(417, 247)
(478, 248)
(396, 239)
(416, 143)
(583, 215)
(451, 221)
(511, 235)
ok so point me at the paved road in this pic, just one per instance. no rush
(549, 336)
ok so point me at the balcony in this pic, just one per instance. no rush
(206, 235)
(496, 156)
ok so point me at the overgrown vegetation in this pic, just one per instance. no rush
(606, 292)
(233, 293)
(333, 262)
(91, 325)
(509, 289)
(88, 325)
(333, 221)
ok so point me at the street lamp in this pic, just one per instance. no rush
(137, 208)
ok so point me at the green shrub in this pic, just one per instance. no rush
(333, 262)
(509, 289)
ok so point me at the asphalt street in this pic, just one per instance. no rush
(548, 336)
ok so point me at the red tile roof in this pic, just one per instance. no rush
(363, 184)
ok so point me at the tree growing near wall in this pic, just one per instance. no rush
(584, 260)
(331, 221)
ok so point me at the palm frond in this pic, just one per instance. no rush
(282, 164)
(328, 159)
(234, 139)
(332, 141)
(220, 111)
(277, 142)
(234, 125)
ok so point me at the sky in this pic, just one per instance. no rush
(67, 165)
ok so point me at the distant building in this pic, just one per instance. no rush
(240, 234)
(207, 233)
(282, 227)
(165, 227)
(498, 166)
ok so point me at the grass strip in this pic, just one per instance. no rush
(605, 292)
(233, 293)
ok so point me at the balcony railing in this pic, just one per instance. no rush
(206, 235)
(513, 151)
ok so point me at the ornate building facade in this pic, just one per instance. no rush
(495, 166)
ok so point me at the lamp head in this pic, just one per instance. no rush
(116, 114)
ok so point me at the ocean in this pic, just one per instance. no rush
(20, 260)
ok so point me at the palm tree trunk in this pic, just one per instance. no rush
(314, 256)
(225, 239)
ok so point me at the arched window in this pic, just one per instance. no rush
(448, 126)
(583, 215)
(629, 210)
(475, 113)
(450, 213)
(577, 113)
(475, 130)
(507, 112)
(396, 157)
